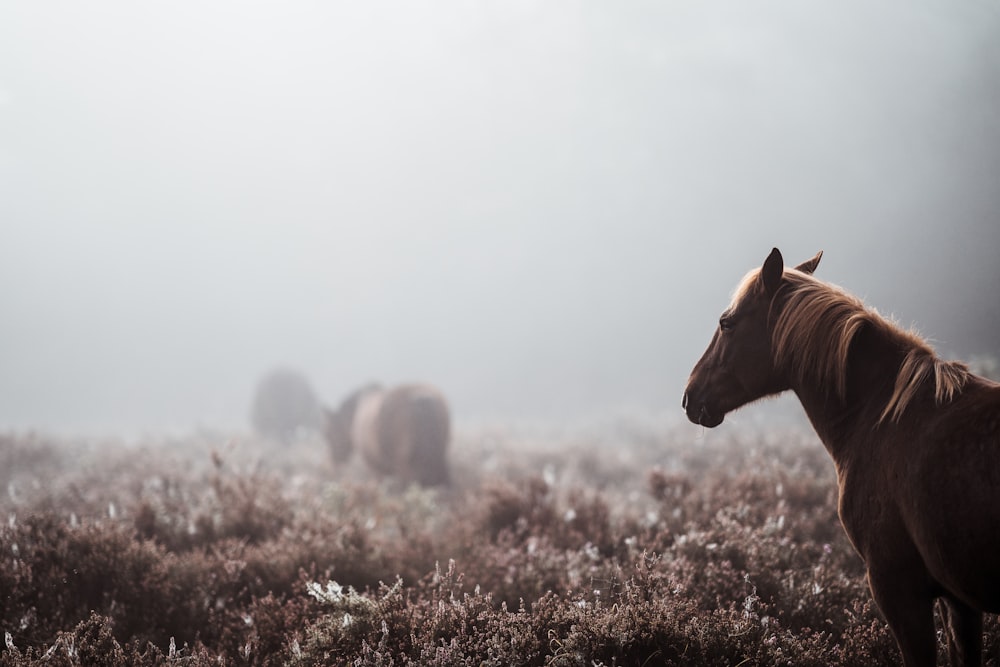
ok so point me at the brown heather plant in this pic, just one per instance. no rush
(628, 544)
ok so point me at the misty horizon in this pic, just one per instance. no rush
(539, 207)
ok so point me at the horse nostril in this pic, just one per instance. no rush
(684, 401)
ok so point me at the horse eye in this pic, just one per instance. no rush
(726, 324)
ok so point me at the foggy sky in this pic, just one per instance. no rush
(539, 206)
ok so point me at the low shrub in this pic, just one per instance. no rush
(623, 547)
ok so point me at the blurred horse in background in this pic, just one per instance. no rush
(401, 432)
(915, 440)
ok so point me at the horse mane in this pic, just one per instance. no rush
(813, 335)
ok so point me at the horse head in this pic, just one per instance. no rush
(738, 366)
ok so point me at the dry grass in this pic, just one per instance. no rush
(629, 544)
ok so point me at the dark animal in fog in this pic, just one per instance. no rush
(402, 432)
(284, 405)
(915, 440)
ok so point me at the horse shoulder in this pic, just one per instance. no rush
(866, 506)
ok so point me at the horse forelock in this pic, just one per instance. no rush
(749, 286)
(816, 325)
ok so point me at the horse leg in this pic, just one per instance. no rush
(910, 616)
(964, 628)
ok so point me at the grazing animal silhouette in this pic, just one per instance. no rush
(284, 405)
(402, 432)
(915, 440)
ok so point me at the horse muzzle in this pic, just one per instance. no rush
(699, 413)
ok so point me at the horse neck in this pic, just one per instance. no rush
(842, 422)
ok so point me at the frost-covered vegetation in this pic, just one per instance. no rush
(630, 544)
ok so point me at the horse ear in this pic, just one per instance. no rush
(771, 272)
(809, 266)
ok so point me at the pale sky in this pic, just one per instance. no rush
(541, 206)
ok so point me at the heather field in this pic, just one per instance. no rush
(632, 542)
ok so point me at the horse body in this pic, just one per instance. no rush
(949, 494)
(402, 432)
(915, 440)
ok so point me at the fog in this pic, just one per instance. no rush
(539, 206)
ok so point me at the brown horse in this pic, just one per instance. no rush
(916, 443)
(402, 432)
